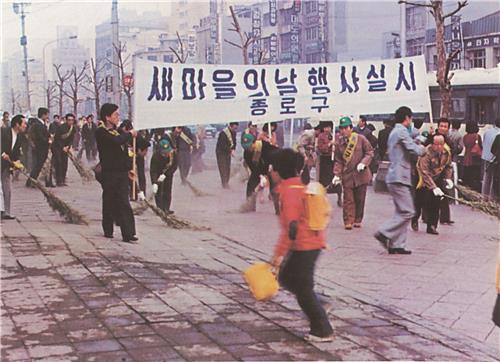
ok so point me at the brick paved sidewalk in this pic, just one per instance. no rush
(70, 294)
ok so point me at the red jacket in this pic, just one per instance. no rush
(292, 208)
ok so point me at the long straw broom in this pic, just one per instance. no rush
(477, 201)
(71, 215)
(85, 174)
(197, 192)
(173, 221)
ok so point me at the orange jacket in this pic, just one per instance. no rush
(293, 208)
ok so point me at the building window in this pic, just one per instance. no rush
(168, 58)
(477, 58)
(312, 33)
(152, 57)
(311, 6)
(497, 55)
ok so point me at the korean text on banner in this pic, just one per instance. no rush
(187, 94)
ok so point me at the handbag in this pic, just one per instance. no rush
(98, 172)
(261, 280)
(496, 312)
(476, 150)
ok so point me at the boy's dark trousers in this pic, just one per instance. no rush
(163, 197)
(297, 275)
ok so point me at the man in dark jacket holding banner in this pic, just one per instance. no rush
(226, 144)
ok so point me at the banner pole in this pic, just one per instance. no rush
(292, 123)
(134, 167)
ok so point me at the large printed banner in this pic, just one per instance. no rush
(186, 94)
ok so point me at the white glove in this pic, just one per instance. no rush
(438, 192)
(449, 184)
(263, 181)
(162, 178)
(140, 196)
(336, 180)
(421, 139)
(361, 167)
(155, 188)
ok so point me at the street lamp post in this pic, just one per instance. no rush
(43, 58)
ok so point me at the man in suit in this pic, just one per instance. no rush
(88, 138)
(112, 143)
(63, 139)
(39, 135)
(5, 119)
(186, 143)
(401, 147)
(226, 144)
(11, 145)
(353, 156)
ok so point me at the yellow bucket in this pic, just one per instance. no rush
(261, 280)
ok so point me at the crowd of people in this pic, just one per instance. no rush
(424, 167)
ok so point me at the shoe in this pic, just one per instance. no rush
(399, 251)
(382, 239)
(169, 212)
(315, 339)
(348, 227)
(449, 222)
(414, 225)
(357, 224)
(130, 239)
(7, 217)
(109, 236)
(432, 230)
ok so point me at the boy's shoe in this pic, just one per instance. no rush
(357, 224)
(315, 339)
(348, 227)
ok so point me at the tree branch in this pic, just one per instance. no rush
(416, 4)
(460, 5)
(233, 44)
(448, 64)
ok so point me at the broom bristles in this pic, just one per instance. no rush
(82, 171)
(197, 192)
(44, 173)
(249, 204)
(63, 209)
(477, 201)
(173, 221)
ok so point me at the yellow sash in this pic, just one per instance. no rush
(420, 182)
(229, 136)
(186, 139)
(66, 135)
(349, 151)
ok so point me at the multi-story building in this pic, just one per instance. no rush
(136, 34)
(14, 84)
(68, 53)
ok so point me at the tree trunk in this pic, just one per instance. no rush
(129, 101)
(61, 95)
(443, 82)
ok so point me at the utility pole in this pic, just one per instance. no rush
(19, 10)
(402, 31)
(116, 46)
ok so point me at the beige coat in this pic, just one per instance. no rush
(363, 153)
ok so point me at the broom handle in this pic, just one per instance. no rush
(134, 167)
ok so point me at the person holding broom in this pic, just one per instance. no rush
(162, 169)
(11, 147)
(63, 139)
(115, 173)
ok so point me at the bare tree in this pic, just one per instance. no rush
(50, 92)
(16, 101)
(60, 84)
(95, 85)
(126, 85)
(76, 79)
(443, 75)
(181, 57)
(246, 39)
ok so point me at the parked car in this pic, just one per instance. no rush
(210, 131)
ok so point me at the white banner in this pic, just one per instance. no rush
(190, 94)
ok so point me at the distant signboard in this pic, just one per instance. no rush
(456, 41)
(483, 42)
(273, 48)
(295, 33)
(272, 12)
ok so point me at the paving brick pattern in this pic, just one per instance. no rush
(70, 294)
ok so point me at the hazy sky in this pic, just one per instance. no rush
(44, 16)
